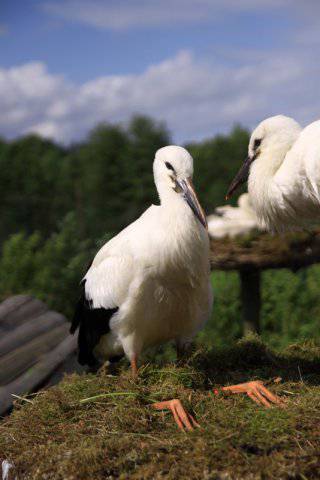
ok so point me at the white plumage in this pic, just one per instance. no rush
(284, 173)
(155, 272)
(228, 221)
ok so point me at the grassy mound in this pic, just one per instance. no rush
(102, 426)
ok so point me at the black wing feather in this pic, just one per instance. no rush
(92, 323)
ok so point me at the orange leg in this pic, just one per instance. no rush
(134, 367)
(257, 392)
(183, 419)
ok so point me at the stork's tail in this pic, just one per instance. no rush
(92, 323)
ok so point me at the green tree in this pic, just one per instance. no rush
(49, 269)
(31, 186)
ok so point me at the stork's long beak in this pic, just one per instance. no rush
(191, 198)
(240, 178)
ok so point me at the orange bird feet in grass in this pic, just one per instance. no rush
(255, 390)
(183, 419)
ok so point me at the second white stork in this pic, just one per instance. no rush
(283, 172)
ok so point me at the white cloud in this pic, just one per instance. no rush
(195, 98)
(27, 94)
(125, 14)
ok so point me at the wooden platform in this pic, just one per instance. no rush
(253, 253)
(261, 251)
(34, 345)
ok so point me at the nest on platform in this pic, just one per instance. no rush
(262, 251)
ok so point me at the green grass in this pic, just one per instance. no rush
(102, 426)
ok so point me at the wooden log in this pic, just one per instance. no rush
(11, 304)
(37, 374)
(29, 330)
(15, 363)
(14, 312)
(250, 299)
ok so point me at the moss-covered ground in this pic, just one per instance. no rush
(102, 426)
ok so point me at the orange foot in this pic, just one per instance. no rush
(183, 419)
(257, 392)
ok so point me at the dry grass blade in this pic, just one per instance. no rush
(106, 395)
(23, 399)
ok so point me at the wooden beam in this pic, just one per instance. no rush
(13, 303)
(29, 330)
(19, 309)
(18, 361)
(37, 374)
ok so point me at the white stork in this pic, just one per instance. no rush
(283, 172)
(150, 283)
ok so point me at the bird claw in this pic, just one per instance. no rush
(184, 420)
(257, 392)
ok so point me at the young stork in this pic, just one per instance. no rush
(228, 221)
(283, 172)
(150, 283)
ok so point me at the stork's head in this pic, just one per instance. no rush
(173, 171)
(269, 142)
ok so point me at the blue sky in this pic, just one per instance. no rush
(199, 65)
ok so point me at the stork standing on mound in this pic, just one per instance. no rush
(151, 283)
(283, 173)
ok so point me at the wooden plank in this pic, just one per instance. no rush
(36, 375)
(15, 363)
(11, 304)
(13, 317)
(29, 330)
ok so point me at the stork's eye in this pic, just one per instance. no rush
(169, 166)
(257, 143)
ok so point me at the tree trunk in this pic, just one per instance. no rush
(250, 300)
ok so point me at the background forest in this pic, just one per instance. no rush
(58, 205)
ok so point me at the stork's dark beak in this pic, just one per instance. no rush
(240, 178)
(191, 198)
